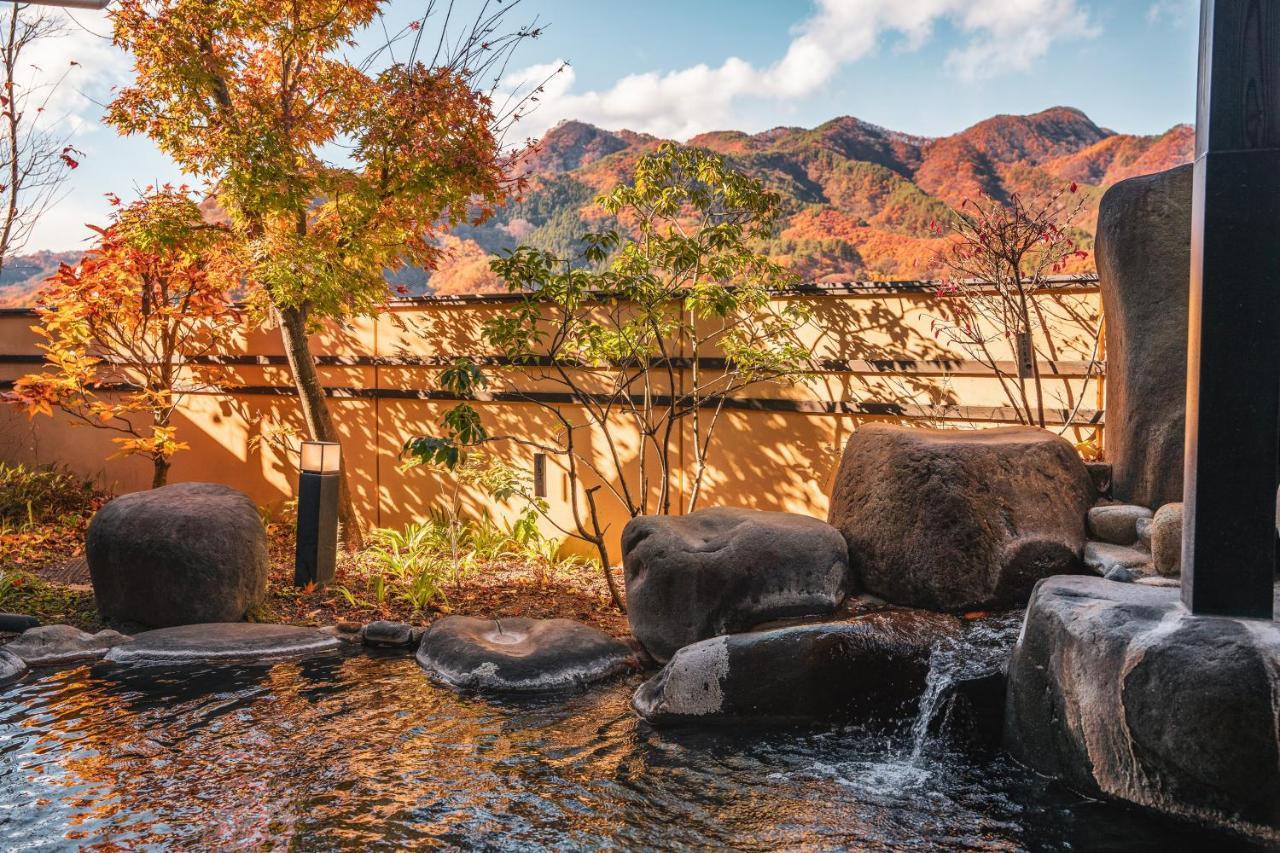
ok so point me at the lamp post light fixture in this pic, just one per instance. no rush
(317, 548)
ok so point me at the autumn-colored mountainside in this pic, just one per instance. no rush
(858, 199)
(23, 275)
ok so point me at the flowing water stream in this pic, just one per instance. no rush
(363, 752)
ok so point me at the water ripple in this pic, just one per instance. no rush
(366, 753)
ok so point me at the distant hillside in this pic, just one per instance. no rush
(858, 199)
(24, 274)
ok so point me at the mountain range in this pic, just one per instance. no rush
(858, 200)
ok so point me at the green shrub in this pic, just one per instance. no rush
(41, 494)
(418, 564)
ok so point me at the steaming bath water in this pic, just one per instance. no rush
(364, 752)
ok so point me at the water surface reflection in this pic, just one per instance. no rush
(364, 752)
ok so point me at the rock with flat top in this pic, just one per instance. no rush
(223, 643)
(723, 570)
(1116, 523)
(867, 670)
(960, 520)
(519, 655)
(183, 554)
(1116, 690)
(55, 645)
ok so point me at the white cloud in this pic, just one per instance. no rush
(1001, 36)
(98, 65)
(1179, 12)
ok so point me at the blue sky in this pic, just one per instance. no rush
(678, 67)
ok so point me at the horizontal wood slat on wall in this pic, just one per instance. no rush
(856, 367)
(868, 408)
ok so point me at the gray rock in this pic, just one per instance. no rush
(1144, 263)
(54, 645)
(1143, 527)
(1115, 689)
(1103, 557)
(12, 667)
(867, 670)
(388, 635)
(723, 570)
(182, 554)
(520, 655)
(1166, 539)
(1121, 574)
(223, 643)
(960, 519)
(1116, 523)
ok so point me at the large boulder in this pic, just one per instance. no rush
(178, 555)
(518, 655)
(960, 519)
(1144, 267)
(1115, 689)
(868, 670)
(724, 570)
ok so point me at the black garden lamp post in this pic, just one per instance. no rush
(318, 478)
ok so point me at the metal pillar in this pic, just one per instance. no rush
(1233, 366)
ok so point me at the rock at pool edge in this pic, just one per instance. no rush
(871, 669)
(519, 655)
(723, 570)
(1115, 689)
(224, 642)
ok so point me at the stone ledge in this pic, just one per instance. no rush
(1116, 690)
(222, 643)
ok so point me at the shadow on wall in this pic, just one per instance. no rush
(877, 355)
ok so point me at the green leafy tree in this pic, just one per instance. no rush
(645, 331)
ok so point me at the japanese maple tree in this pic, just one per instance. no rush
(1000, 260)
(331, 169)
(123, 326)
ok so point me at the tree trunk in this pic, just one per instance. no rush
(598, 540)
(315, 409)
(161, 472)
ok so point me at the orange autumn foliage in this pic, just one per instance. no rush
(123, 325)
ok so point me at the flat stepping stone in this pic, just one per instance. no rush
(223, 642)
(520, 655)
(12, 667)
(56, 645)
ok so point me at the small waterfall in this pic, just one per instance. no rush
(941, 676)
(980, 649)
